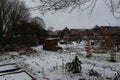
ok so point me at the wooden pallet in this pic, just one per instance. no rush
(12, 69)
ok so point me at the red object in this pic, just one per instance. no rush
(107, 38)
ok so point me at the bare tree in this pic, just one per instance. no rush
(39, 21)
(81, 5)
(18, 13)
(34, 28)
(38, 26)
(114, 6)
(11, 12)
(5, 6)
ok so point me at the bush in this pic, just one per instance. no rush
(93, 73)
(74, 66)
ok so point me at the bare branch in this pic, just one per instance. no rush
(55, 5)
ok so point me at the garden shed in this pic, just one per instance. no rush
(51, 44)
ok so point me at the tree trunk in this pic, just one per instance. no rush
(1, 35)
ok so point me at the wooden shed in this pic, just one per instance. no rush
(50, 44)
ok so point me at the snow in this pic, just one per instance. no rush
(16, 76)
(48, 65)
(38, 48)
(7, 67)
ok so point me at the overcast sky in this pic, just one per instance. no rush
(59, 20)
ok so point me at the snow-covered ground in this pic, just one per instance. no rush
(48, 65)
(16, 76)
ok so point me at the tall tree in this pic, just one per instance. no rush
(38, 26)
(11, 13)
(34, 28)
(5, 6)
(18, 13)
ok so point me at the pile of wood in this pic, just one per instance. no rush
(13, 72)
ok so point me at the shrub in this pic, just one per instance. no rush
(94, 73)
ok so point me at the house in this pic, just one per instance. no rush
(66, 38)
(78, 34)
(66, 35)
(75, 34)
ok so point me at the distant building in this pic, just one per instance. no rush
(96, 33)
(66, 38)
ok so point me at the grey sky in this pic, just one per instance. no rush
(59, 20)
